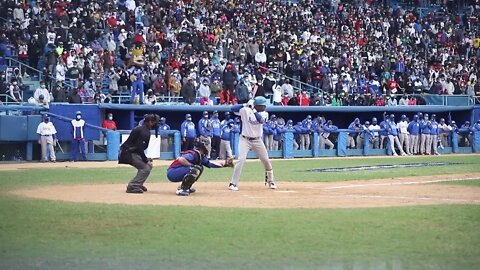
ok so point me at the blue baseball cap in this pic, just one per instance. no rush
(260, 101)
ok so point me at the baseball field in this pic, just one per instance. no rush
(329, 213)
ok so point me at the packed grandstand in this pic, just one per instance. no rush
(304, 53)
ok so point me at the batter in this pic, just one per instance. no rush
(253, 116)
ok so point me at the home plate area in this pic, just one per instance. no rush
(347, 194)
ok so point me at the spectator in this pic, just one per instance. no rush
(74, 97)
(412, 101)
(109, 123)
(204, 92)
(376, 47)
(391, 101)
(42, 91)
(403, 100)
(188, 91)
(151, 98)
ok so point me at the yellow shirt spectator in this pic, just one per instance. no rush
(476, 42)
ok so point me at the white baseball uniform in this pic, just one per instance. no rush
(251, 139)
(46, 132)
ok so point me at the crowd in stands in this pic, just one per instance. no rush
(333, 52)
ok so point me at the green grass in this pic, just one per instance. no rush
(40, 234)
(473, 182)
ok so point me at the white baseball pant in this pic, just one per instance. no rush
(413, 144)
(404, 140)
(394, 140)
(46, 142)
(434, 143)
(225, 149)
(323, 141)
(256, 145)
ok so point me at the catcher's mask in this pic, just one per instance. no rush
(200, 145)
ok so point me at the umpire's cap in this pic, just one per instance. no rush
(260, 101)
(152, 117)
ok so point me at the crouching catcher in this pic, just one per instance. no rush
(188, 168)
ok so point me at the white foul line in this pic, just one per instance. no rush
(401, 183)
(409, 198)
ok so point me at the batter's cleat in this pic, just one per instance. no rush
(233, 187)
(181, 192)
(134, 190)
(143, 188)
(271, 185)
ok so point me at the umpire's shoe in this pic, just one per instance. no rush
(143, 188)
(135, 190)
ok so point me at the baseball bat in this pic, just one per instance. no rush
(59, 146)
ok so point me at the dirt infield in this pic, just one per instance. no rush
(348, 194)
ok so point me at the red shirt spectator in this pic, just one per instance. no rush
(412, 101)
(303, 99)
(285, 100)
(109, 123)
(380, 101)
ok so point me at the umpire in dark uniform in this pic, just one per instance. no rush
(132, 152)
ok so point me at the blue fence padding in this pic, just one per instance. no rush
(177, 143)
(366, 144)
(32, 124)
(476, 114)
(315, 147)
(435, 100)
(13, 128)
(454, 142)
(465, 150)
(235, 140)
(29, 151)
(275, 154)
(445, 150)
(377, 152)
(90, 113)
(288, 145)
(327, 153)
(302, 153)
(342, 144)
(457, 100)
(354, 152)
(113, 144)
(5, 108)
(476, 141)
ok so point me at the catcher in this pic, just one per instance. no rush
(189, 166)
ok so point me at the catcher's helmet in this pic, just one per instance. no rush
(200, 145)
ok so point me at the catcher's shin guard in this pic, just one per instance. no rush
(191, 177)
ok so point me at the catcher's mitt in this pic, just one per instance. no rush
(229, 162)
